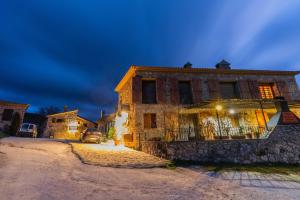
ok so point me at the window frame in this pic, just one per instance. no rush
(190, 92)
(144, 100)
(236, 90)
(264, 95)
(153, 124)
(7, 114)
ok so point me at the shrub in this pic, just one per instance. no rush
(111, 133)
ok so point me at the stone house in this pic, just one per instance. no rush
(11, 116)
(166, 103)
(67, 125)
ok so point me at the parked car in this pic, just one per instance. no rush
(28, 130)
(91, 135)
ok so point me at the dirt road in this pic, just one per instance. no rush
(45, 169)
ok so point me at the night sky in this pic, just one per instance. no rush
(59, 52)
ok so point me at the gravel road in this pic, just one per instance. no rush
(45, 169)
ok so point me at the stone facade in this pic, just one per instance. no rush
(283, 146)
(18, 111)
(205, 86)
(66, 125)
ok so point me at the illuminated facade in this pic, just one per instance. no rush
(164, 103)
(67, 125)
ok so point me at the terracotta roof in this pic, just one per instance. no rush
(133, 69)
(2, 102)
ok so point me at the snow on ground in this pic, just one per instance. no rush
(109, 155)
(45, 169)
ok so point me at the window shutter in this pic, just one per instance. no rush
(174, 91)
(136, 89)
(283, 90)
(197, 90)
(275, 90)
(161, 90)
(244, 89)
(254, 90)
(213, 88)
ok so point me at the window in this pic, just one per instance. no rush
(7, 114)
(266, 91)
(150, 120)
(60, 120)
(72, 128)
(148, 92)
(53, 120)
(185, 92)
(228, 90)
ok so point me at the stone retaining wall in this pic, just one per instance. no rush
(282, 146)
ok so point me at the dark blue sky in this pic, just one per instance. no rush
(60, 52)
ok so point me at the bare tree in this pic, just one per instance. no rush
(49, 110)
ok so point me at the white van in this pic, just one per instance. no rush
(28, 130)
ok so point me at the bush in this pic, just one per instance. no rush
(111, 133)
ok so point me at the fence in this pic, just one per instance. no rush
(214, 133)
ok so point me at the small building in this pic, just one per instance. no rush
(186, 103)
(11, 116)
(67, 125)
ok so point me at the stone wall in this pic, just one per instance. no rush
(4, 125)
(282, 146)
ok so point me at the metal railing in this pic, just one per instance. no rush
(213, 133)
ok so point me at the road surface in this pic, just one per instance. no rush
(45, 169)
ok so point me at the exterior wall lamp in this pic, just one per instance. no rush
(231, 111)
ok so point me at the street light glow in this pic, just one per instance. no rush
(218, 107)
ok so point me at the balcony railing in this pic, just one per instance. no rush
(213, 133)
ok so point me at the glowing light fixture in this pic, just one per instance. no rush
(120, 124)
(231, 111)
(219, 107)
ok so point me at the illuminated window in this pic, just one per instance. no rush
(266, 91)
(150, 120)
(72, 128)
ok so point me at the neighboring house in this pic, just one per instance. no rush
(186, 103)
(37, 119)
(11, 116)
(67, 125)
(106, 122)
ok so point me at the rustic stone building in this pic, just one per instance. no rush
(67, 125)
(11, 116)
(163, 103)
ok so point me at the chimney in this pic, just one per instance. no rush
(65, 108)
(223, 65)
(187, 65)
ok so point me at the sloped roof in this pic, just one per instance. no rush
(62, 113)
(9, 103)
(133, 69)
